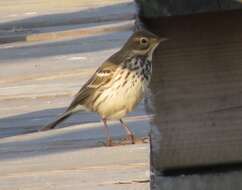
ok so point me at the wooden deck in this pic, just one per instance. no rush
(37, 81)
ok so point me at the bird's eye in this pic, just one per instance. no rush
(143, 41)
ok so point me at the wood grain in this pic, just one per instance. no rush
(224, 181)
(197, 91)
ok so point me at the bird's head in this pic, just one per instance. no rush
(142, 43)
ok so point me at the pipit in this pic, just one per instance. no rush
(118, 85)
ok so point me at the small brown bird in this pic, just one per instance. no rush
(118, 85)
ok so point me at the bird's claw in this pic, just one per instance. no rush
(109, 142)
(131, 138)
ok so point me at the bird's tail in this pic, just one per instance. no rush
(61, 118)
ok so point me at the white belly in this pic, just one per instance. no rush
(121, 97)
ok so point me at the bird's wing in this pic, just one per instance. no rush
(103, 75)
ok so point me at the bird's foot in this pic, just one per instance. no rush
(131, 137)
(145, 140)
(109, 142)
(136, 140)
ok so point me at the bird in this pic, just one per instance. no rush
(118, 85)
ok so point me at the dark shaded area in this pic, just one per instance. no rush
(160, 8)
(33, 121)
(197, 28)
(203, 170)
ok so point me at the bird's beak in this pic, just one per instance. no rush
(159, 40)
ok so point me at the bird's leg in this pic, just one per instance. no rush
(128, 131)
(109, 140)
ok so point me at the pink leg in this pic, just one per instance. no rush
(109, 140)
(128, 131)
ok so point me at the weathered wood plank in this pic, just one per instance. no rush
(38, 80)
(224, 181)
(50, 161)
(197, 88)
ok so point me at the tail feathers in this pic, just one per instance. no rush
(56, 122)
